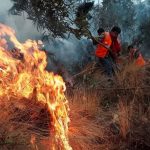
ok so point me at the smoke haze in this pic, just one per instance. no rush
(68, 52)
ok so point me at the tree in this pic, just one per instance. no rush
(52, 15)
(144, 25)
(55, 17)
(117, 12)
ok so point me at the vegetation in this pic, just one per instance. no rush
(56, 18)
(107, 114)
(104, 115)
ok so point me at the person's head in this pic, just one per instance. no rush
(115, 31)
(130, 47)
(100, 31)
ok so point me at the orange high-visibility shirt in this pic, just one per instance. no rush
(102, 51)
(139, 61)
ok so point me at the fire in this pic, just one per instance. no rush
(22, 71)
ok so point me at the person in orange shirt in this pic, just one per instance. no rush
(100, 36)
(103, 50)
(135, 56)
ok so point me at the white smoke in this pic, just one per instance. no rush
(68, 51)
(23, 27)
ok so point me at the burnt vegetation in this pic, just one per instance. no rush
(105, 114)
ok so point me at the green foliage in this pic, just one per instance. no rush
(81, 20)
(49, 15)
(145, 33)
(144, 26)
(54, 17)
(116, 12)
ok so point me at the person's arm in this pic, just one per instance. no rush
(137, 53)
(118, 47)
(98, 39)
(95, 42)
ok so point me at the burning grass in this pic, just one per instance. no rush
(105, 113)
(32, 97)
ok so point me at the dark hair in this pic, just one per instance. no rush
(100, 30)
(130, 46)
(116, 29)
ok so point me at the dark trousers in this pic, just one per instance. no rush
(107, 65)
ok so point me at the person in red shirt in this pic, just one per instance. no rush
(115, 45)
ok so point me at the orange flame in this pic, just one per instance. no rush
(23, 71)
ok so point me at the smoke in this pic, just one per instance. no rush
(132, 16)
(72, 53)
(23, 27)
(69, 52)
(142, 25)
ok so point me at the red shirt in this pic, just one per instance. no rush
(115, 46)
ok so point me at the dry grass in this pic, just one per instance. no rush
(21, 120)
(85, 131)
(124, 118)
(122, 124)
(12, 136)
(103, 117)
